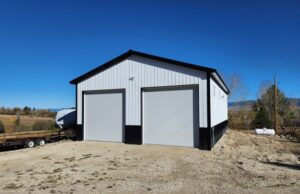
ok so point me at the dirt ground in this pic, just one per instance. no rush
(239, 163)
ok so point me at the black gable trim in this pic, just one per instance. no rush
(131, 52)
(101, 68)
(180, 63)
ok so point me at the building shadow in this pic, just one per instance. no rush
(284, 165)
(10, 148)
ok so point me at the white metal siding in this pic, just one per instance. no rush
(170, 117)
(145, 73)
(219, 112)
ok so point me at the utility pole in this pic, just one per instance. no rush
(275, 103)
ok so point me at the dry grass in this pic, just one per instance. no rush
(27, 121)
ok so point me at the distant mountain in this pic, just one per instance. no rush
(58, 109)
(295, 101)
(249, 103)
(54, 109)
(242, 103)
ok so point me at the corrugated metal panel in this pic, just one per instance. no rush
(145, 73)
(219, 112)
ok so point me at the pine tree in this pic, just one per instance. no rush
(262, 118)
(283, 105)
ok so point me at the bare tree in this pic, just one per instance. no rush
(263, 87)
(237, 87)
(238, 93)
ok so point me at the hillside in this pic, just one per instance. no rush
(249, 103)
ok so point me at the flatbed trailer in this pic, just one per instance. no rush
(34, 138)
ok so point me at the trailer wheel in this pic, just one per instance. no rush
(41, 142)
(30, 143)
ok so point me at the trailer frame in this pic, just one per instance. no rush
(23, 138)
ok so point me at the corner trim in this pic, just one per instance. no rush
(208, 101)
(209, 129)
(76, 103)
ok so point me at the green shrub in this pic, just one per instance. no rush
(18, 125)
(43, 125)
(2, 129)
(262, 118)
(18, 121)
(20, 128)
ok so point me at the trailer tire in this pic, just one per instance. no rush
(41, 142)
(30, 143)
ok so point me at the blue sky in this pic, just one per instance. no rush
(44, 44)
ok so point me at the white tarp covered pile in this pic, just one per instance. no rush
(66, 118)
(265, 131)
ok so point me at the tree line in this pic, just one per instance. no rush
(262, 112)
(27, 111)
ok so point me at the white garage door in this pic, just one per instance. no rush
(104, 116)
(170, 117)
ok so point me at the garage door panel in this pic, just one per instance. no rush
(103, 116)
(169, 117)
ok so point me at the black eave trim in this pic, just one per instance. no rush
(228, 91)
(132, 52)
(222, 88)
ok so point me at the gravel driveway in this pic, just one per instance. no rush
(239, 163)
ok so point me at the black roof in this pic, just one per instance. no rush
(132, 52)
